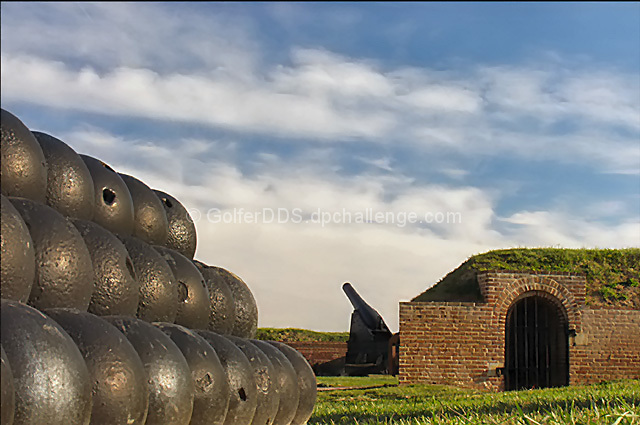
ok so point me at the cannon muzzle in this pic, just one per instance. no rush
(369, 315)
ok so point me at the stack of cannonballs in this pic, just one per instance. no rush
(106, 317)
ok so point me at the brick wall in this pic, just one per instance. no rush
(463, 343)
(320, 352)
(608, 348)
(448, 343)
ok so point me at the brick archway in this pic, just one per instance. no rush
(540, 286)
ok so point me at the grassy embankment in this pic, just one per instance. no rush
(612, 275)
(611, 403)
(299, 335)
(613, 278)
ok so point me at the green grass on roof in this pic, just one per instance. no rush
(612, 275)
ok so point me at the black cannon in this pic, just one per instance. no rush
(368, 346)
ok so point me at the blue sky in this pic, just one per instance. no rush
(522, 118)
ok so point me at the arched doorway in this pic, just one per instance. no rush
(536, 344)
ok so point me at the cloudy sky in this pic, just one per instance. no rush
(318, 143)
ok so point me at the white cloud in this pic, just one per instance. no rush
(328, 98)
(605, 97)
(175, 65)
(552, 93)
(436, 98)
(131, 35)
(213, 69)
(381, 163)
(549, 228)
(455, 173)
(322, 73)
(296, 269)
(188, 98)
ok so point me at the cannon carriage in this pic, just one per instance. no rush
(370, 349)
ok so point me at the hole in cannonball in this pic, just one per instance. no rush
(130, 268)
(183, 292)
(108, 195)
(205, 382)
(242, 394)
(167, 202)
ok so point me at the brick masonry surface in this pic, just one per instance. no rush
(462, 344)
(608, 348)
(320, 352)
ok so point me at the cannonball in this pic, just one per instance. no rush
(211, 399)
(182, 230)
(245, 323)
(193, 310)
(119, 382)
(117, 290)
(286, 382)
(149, 218)
(170, 384)
(24, 168)
(69, 183)
(221, 303)
(243, 401)
(306, 382)
(18, 255)
(264, 374)
(158, 298)
(112, 204)
(7, 393)
(51, 380)
(64, 272)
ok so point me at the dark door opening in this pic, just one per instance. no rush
(537, 345)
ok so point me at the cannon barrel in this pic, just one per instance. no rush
(369, 315)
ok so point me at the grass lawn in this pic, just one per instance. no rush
(611, 403)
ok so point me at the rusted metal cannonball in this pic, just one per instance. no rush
(245, 324)
(18, 255)
(193, 310)
(268, 398)
(211, 399)
(286, 382)
(170, 384)
(69, 183)
(158, 299)
(117, 290)
(51, 380)
(112, 204)
(221, 303)
(306, 382)
(119, 382)
(7, 393)
(64, 272)
(243, 400)
(182, 230)
(149, 219)
(24, 169)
